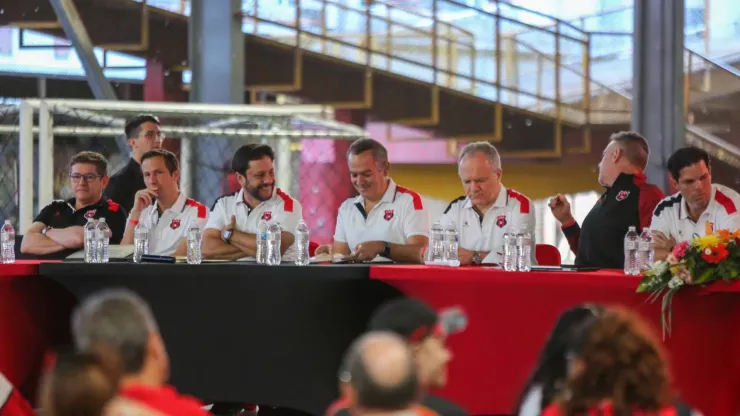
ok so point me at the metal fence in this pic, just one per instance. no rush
(38, 138)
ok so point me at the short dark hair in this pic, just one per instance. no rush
(686, 157)
(71, 389)
(404, 317)
(93, 158)
(133, 125)
(379, 152)
(372, 394)
(248, 153)
(170, 160)
(635, 147)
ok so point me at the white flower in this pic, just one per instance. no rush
(708, 251)
(675, 282)
(660, 267)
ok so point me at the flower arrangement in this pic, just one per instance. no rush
(701, 261)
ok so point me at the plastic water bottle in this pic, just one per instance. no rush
(451, 245)
(436, 243)
(91, 246)
(646, 250)
(261, 254)
(523, 251)
(301, 244)
(272, 249)
(141, 242)
(631, 260)
(195, 237)
(7, 242)
(102, 238)
(510, 256)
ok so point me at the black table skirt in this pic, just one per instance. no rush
(243, 332)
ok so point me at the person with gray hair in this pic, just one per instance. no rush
(385, 219)
(488, 209)
(119, 323)
(379, 376)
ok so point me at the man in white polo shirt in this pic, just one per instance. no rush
(385, 219)
(699, 207)
(166, 212)
(231, 232)
(488, 210)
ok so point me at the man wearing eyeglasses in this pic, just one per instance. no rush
(143, 135)
(58, 229)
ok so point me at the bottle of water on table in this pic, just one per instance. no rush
(91, 244)
(510, 256)
(141, 242)
(646, 251)
(195, 238)
(7, 243)
(631, 260)
(273, 244)
(302, 257)
(524, 251)
(451, 245)
(261, 254)
(436, 242)
(102, 237)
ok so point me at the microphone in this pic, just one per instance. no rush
(149, 258)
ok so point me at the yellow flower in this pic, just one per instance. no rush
(710, 240)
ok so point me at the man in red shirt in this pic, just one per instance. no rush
(120, 321)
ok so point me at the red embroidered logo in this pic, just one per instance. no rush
(622, 195)
(501, 221)
(175, 224)
(56, 214)
(267, 215)
(388, 214)
(90, 213)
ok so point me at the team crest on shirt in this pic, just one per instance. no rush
(622, 195)
(267, 215)
(90, 213)
(388, 214)
(175, 224)
(501, 221)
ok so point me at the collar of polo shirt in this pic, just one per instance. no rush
(389, 195)
(500, 201)
(178, 206)
(240, 198)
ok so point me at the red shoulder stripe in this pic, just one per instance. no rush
(287, 200)
(725, 201)
(523, 200)
(113, 206)
(202, 210)
(416, 197)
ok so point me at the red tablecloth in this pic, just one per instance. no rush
(510, 316)
(30, 322)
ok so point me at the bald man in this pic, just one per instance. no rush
(379, 376)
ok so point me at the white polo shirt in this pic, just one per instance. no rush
(509, 213)
(672, 219)
(281, 208)
(166, 232)
(400, 214)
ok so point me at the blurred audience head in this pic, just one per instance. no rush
(418, 324)
(627, 152)
(551, 372)
(617, 359)
(378, 374)
(80, 384)
(121, 322)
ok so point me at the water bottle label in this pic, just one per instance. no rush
(646, 246)
(630, 245)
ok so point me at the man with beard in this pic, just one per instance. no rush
(699, 208)
(234, 220)
(57, 230)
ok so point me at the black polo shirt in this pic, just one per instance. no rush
(630, 201)
(429, 405)
(62, 214)
(124, 184)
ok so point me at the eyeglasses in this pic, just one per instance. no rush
(89, 177)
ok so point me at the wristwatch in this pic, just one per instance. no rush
(476, 258)
(226, 235)
(45, 230)
(386, 251)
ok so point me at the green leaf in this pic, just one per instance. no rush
(703, 277)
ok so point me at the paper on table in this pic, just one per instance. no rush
(338, 258)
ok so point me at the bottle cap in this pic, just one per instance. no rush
(7, 222)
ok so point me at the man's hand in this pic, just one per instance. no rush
(560, 208)
(142, 199)
(368, 250)
(661, 242)
(231, 225)
(465, 256)
(323, 249)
